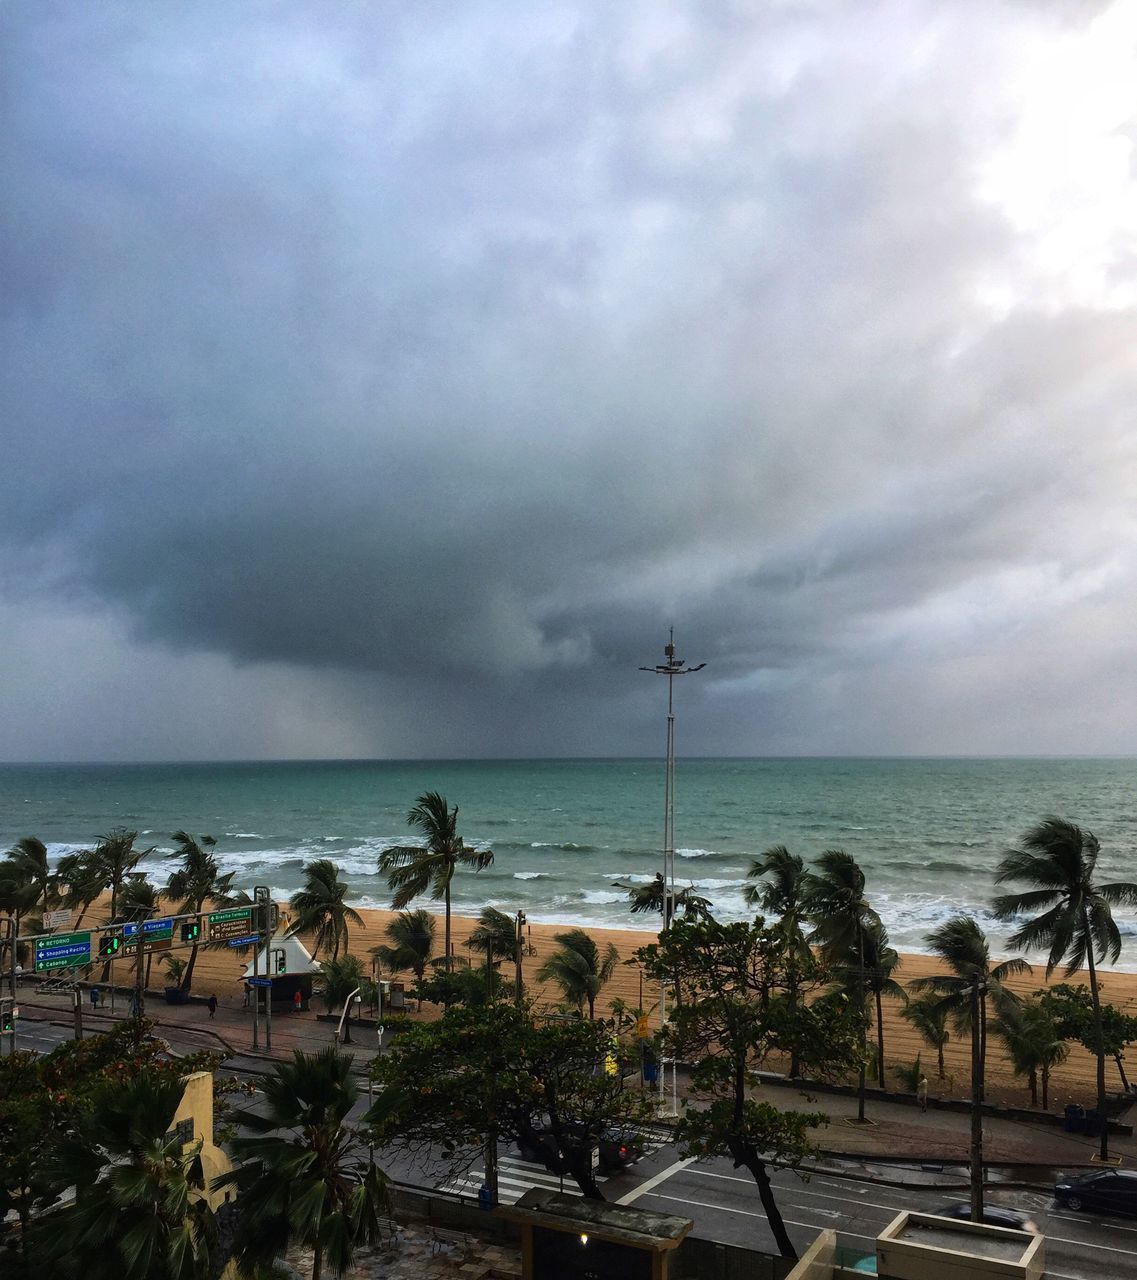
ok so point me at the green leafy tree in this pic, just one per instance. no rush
(413, 870)
(962, 947)
(727, 1028)
(495, 934)
(411, 944)
(1034, 1045)
(579, 968)
(26, 862)
(140, 1210)
(320, 907)
(341, 977)
(197, 881)
(881, 962)
(929, 1019)
(82, 879)
(1072, 1010)
(306, 1177)
(1073, 921)
(842, 921)
(465, 985)
(480, 1076)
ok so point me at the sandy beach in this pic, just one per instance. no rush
(221, 972)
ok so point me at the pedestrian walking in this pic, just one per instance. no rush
(212, 1005)
(922, 1093)
(248, 994)
(297, 1001)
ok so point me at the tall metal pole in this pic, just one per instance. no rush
(670, 667)
(519, 943)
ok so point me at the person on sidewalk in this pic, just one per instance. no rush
(248, 995)
(212, 1005)
(922, 1093)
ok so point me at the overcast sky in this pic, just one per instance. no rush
(384, 379)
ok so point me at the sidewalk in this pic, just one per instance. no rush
(896, 1132)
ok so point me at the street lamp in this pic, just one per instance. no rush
(670, 667)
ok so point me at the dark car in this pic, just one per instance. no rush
(616, 1149)
(1108, 1190)
(994, 1215)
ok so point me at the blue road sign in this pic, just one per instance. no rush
(150, 928)
(244, 941)
(259, 982)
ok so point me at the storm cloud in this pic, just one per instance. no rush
(387, 379)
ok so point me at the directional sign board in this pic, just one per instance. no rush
(234, 923)
(245, 940)
(62, 950)
(156, 934)
(259, 982)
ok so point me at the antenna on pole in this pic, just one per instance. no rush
(670, 667)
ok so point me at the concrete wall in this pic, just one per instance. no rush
(196, 1107)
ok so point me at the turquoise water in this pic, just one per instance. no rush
(927, 832)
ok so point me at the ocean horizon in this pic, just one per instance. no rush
(928, 830)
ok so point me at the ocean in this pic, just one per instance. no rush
(927, 832)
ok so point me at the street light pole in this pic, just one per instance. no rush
(670, 667)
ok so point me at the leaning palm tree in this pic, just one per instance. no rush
(1033, 1043)
(306, 1177)
(782, 897)
(27, 862)
(971, 982)
(495, 934)
(412, 943)
(116, 855)
(319, 908)
(138, 901)
(652, 896)
(140, 1209)
(1075, 923)
(412, 870)
(841, 916)
(578, 968)
(197, 881)
(81, 880)
(929, 1019)
(881, 962)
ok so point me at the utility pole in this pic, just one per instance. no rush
(670, 667)
(517, 951)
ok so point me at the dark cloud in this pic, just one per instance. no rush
(425, 366)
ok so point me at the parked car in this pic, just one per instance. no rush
(1109, 1190)
(616, 1149)
(994, 1215)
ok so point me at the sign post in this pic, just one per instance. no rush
(62, 951)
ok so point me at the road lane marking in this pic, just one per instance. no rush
(750, 1213)
(662, 1176)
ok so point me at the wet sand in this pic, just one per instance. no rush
(221, 972)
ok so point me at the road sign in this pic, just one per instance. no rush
(642, 1032)
(58, 919)
(62, 950)
(157, 935)
(259, 982)
(245, 940)
(226, 925)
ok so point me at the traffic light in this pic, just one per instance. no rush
(7, 1015)
(109, 945)
(281, 959)
(191, 930)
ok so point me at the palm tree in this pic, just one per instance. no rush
(116, 855)
(929, 1018)
(881, 962)
(783, 897)
(138, 901)
(842, 919)
(495, 934)
(27, 862)
(1033, 1043)
(140, 1210)
(412, 943)
(652, 896)
(412, 870)
(960, 944)
(17, 898)
(320, 907)
(197, 881)
(81, 875)
(306, 1177)
(578, 968)
(1075, 921)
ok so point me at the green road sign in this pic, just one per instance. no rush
(156, 934)
(233, 923)
(62, 950)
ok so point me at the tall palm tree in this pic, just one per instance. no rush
(782, 897)
(881, 962)
(495, 934)
(1033, 1043)
(652, 896)
(962, 946)
(17, 898)
(842, 919)
(306, 1177)
(197, 881)
(929, 1018)
(116, 855)
(412, 870)
(412, 943)
(320, 908)
(27, 861)
(578, 968)
(140, 1211)
(1075, 922)
(138, 901)
(81, 877)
